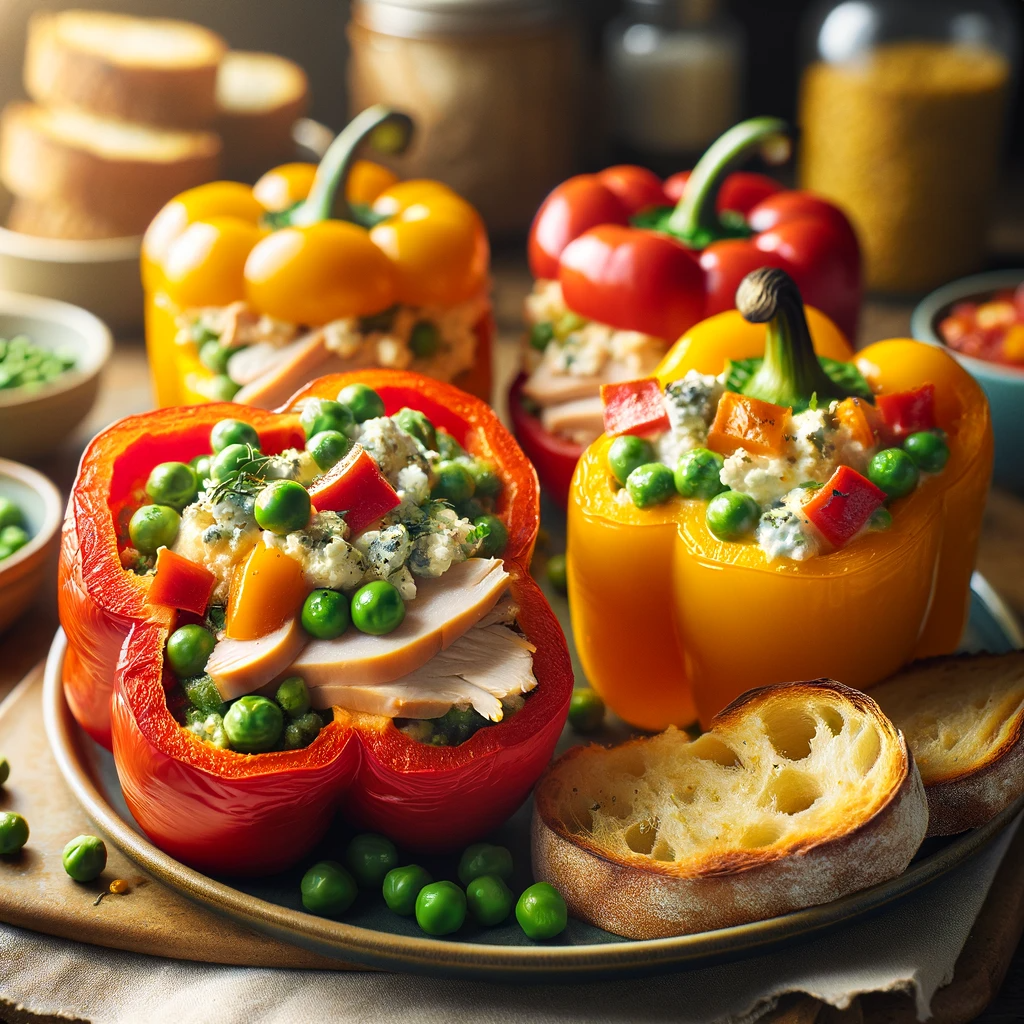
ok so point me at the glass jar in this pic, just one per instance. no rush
(674, 75)
(903, 112)
(493, 86)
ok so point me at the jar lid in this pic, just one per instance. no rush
(412, 18)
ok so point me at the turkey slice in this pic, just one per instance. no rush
(583, 417)
(238, 667)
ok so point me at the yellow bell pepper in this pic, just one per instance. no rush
(672, 623)
(308, 245)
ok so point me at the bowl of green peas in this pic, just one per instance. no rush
(31, 510)
(51, 358)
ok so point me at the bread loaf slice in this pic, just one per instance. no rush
(260, 96)
(798, 794)
(110, 170)
(963, 717)
(60, 220)
(147, 70)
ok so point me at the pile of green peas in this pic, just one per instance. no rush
(13, 535)
(23, 364)
(329, 889)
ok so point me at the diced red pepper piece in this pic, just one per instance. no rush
(357, 489)
(634, 407)
(181, 583)
(907, 412)
(841, 508)
(743, 422)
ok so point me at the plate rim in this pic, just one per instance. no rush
(456, 958)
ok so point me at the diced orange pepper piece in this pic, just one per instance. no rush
(268, 589)
(860, 418)
(748, 423)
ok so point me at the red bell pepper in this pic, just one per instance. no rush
(841, 508)
(634, 407)
(356, 487)
(180, 583)
(908, 411)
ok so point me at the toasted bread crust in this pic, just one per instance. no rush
(641, 898)
(52, 219)
(171, 96)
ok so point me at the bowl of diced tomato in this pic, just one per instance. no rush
(980, 320)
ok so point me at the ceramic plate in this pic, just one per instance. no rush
(373, 936)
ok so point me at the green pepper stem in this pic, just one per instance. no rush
(695, 219)
(386, 129)
(790, 373)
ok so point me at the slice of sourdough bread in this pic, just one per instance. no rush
(963, 717)
(260, 96)
(110, 170)
(147, 70)
(798, 794)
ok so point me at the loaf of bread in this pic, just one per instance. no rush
(104, 171)
(146, 70)
(799, 794)
(963, 717)
(260, 97)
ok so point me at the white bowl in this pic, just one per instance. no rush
(35, 422)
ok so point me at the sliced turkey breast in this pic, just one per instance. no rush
(581, 419)
(238, 667)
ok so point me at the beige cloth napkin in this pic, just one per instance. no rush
(912, 947)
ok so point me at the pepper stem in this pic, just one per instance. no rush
(790, 373)
(695, 219)
(387, 130)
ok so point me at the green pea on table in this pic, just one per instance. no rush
(13, 833)
(328, 889)
(84, 858)
(440, 908)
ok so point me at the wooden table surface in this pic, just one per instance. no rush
(126, 390)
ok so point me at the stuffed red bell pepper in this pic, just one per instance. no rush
(346, 620)
(621, 273)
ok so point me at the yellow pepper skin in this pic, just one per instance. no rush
(672, 623)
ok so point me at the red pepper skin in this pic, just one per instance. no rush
(634, 280)
(840, 509)
(356, 487)
(180, 584)
(634, 407)
(741, 191)
(553, 457)
(908, 411)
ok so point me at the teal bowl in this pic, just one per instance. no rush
(1003, 385)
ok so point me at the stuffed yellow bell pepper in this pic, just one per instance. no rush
(252, 292)
(771, 507)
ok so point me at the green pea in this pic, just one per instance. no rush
(627, 453)
(650, 484)
(189, 649)
(557, 573)
(541, 335)
(328, 447)
(363, 402)
(5, 770)
(214, 356)
(152, 527)
(402, 886)
(470, 509)
(586, 711)
(328, 889)
(222, 388)
(370, 857)
(282, 507)
(489, 900)
(203, 695)
(228, 461)
(319, 414)
(10, 514)
(325, 614)
(487, 483)
(228, 432)
(732, 515)
(484, 859)
(440, 908)
(84, 858)
(13, 832)
(454, 482)
(541, 911)
(201, 467)
(201, 333)
(493, 536)
(699, 474)
(568, 323)
(928, 450)
(424, 339)
(302, 731)
(447, 447)
(894, 471)
(293, 694)
(13, 538)
(253, 724)
(881, 519)
(377, 608)
(412, 421)
(174, 484)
